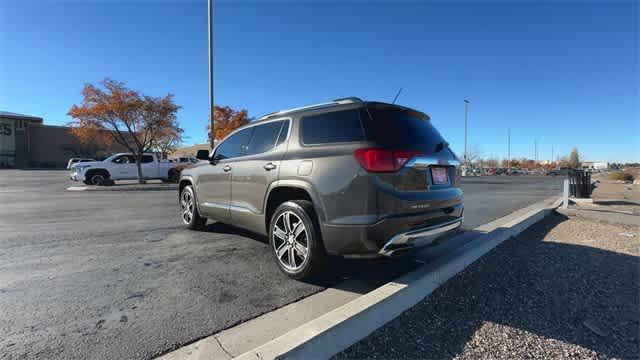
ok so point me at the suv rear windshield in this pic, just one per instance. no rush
(402, 129)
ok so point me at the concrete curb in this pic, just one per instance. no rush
(337, 330)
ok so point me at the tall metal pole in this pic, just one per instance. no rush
(551, 153)
(210, 47)
(509, 151)
(466, 111)
(535, 151)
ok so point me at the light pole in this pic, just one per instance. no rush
(466, 113)
(210, 47)
(509, 151)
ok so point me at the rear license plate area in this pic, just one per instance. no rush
(439, 176)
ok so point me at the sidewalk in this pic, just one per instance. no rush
(566, 287)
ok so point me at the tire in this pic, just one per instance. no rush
(288, 241)
(98, 179)
(172, 177)
(189, 213)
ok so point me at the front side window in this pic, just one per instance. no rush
(264, 137)
(334, 127)
(234, 145)
(122, 159)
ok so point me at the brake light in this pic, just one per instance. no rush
(383, 160)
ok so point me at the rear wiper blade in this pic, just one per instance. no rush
(441, 146)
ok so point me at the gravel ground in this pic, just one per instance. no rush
(565, 288)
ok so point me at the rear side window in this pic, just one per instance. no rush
(146, 159)
(402, 129)
(333, 127)
(233, 146)
(264, 137)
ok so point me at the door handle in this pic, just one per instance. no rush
(269, 166)
(226, 168)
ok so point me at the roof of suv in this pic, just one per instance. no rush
(330, 105)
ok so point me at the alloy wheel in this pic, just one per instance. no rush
(290, 241)
(186, 206)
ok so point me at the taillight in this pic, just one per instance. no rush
(383, 160)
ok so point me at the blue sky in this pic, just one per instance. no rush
(562, 73)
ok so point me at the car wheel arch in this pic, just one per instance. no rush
(276, 195)
(103, 172)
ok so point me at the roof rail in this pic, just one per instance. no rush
(347, 100)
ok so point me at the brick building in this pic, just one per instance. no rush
(26, 142)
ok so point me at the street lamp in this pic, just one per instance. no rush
(210, 47)
(466, 111)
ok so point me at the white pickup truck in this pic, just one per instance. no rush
(122, 166)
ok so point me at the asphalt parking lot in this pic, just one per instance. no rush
(114, 275)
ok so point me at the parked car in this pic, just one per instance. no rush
(563, 171)
(122, 166)
(74, 161)
(348, 177)
(491, 171)
(184, 160)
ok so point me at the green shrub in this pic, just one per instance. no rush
(621, 176)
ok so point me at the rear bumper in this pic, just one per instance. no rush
(419, 237)
(389, 235)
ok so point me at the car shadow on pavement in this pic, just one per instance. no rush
(220, 228)
(350, 274)
(525, 287)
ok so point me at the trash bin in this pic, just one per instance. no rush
(580, 184)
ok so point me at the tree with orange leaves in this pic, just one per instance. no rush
(135, 121)
(227, 120)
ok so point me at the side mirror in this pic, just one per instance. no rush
(202, 155)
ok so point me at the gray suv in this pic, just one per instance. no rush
(347, 177)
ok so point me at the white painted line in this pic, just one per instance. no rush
(76, 188)
(337, 330)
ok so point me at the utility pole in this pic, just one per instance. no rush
(535, 151)
(466, 113)
(210, 47)
(551, 153)
(509, 151)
